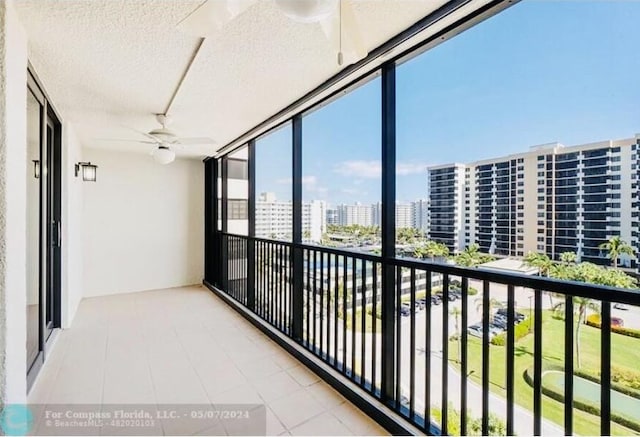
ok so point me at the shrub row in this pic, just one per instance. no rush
(497, 426)
(520, 331)
(581, 405)
(623, 380)
(594, 320)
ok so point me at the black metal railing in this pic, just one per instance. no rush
(342, 324)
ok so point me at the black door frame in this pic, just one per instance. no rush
(50, 223)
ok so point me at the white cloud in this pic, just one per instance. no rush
(359, 169)
(306, 180)
(373, 169)
(407, 168)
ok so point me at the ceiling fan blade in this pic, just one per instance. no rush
(212, 15)
(196, 141)
(122, 140)
(353, 48)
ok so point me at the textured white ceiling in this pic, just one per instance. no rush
(109, 65)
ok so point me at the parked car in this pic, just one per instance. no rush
(620, 306)
(519, 317)
(419, 305)
(457, 294)
(617, 321)
(436, 300)
(476, 331)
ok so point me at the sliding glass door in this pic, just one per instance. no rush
(43, 214)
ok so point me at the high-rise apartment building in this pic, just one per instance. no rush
(551, 199)
(420, 214)
(404, 215)
(274, 218)
(446, 205)
(356, 214)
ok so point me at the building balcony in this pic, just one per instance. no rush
(186, 347)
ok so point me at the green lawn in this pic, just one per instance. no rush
(625, 353)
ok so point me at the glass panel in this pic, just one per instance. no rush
(274, 210)
(237, 192)
(342, 170)
(34, 173)
(526, 128)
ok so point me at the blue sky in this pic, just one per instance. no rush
(540, 72)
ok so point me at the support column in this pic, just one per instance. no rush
(297, 292)
(388, 229)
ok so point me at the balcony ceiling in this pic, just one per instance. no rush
(110, 65)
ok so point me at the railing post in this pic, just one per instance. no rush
(297, 292)
(388, 230)
(251, 243)
(224, 253)
(210, 218)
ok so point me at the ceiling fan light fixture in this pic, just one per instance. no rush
(163, 134)
(307, 11)
(164, 155)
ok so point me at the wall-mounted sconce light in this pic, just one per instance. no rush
(36, 169)
(88, 171)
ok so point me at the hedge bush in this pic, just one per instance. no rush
(616, 380)
(474, 425)
(520, 331)
(594, 320)
(580, 405)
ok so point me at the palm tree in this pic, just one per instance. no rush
(615, 247)
(543, 263)
(539, 260)
(431, 249)
(493, 304)
(581, 304)
(471, 256)
(568, 257)
(455, 312)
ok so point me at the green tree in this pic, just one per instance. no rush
(431, 249)
(580, 304)
(493, 304)
(456, 313)
(539, 260)
(543, 263)
(471, 256)
(615, 247)
(568, 257)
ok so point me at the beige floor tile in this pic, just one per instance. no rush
(324, 424)
(276, 386)
(325, 395)
(296, 408)
(303, 376)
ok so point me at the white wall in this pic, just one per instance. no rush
(13, 190)
(72, 216)
(143, 224)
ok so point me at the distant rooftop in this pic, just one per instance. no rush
(510, 265)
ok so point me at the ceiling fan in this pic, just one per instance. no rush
(336, 18)
(166, 140)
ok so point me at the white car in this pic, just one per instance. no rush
(476, 331)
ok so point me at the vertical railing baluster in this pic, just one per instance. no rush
(511, 321)
(271, 288)
(412, 346)
(363, 321)
(485, 356)
(321, 309)
(537, 363)
(568, 365)
(605, 369)
(308, 303)
(398, 316)
(328, 309)
(354, 293)
(427, 353)
(336, 304)
(374, 319)
(445, 354)
(464, 363)
(344, 314)
(281, 287)
(314, 292)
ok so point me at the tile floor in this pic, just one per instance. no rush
(186, 346)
